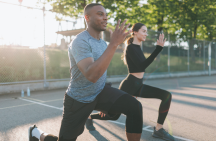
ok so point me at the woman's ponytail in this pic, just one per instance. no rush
(128, 41)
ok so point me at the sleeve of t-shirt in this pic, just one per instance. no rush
(81, 50)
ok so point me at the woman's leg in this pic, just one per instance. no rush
(89, 121)
(132, 108)
(106, 117)
(147, 91)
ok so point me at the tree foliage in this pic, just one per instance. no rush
(188, 19)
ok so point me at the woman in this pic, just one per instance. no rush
(137, 63)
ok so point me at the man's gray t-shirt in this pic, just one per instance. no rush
(84, 46)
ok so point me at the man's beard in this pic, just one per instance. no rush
(97, 28)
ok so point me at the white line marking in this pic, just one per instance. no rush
(16, 106)
(41, 104)
(116, 122)
(34, 99)
(145, 128)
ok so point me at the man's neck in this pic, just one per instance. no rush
(95, 34)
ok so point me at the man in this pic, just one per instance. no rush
(89, 59)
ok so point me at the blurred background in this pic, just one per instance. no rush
(34, 36)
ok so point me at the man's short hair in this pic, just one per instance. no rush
(89, 6)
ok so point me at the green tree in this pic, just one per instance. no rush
(74, 8)
(195, 19)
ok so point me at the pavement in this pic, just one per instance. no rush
(191, 117)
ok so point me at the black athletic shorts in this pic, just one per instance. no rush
(76, 113)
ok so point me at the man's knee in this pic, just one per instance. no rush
(116, 117)
(134, 121)
(136, 107)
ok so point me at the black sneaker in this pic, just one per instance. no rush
(162, 134)
(89, 125)
(30, 133)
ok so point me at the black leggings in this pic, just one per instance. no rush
(133, 86)
(133, 111)
(130, 107)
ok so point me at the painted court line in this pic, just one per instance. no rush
(41, 104)
(145, 128)
(15, 106)
(29, 104)
(34, 99)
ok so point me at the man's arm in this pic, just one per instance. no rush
(94, 70)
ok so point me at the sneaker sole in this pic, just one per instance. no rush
(156, 136)
(29, 133)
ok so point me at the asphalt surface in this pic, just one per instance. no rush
(191, 117)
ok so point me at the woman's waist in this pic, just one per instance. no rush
(138, 74)
(131, 84)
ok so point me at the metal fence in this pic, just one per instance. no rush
(24, 64)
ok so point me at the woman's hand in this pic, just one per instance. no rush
(102, 114)
(161, 40)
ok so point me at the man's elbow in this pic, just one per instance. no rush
(93, 77)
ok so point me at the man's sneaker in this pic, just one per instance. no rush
(163, 135)
(89, 125)
(30, 133)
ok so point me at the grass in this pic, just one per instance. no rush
(27, 64)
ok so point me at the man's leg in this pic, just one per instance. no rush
(36, 134)
(106, 117)
(89, 122)
(114, 101)
(133, 112)
(75, 115)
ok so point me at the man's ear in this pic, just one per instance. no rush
(87, 18)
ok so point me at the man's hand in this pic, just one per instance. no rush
(161, 40)
(119, 35)
(102, 114)
(92, 69)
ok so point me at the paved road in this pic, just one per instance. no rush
(191, 117)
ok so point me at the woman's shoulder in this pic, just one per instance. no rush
(133, 47)
(130, 46)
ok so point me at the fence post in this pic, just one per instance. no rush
(188, 57)
(204, 55)
(209, 58)
(168, 61)
(45, 83)
(215, 54)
